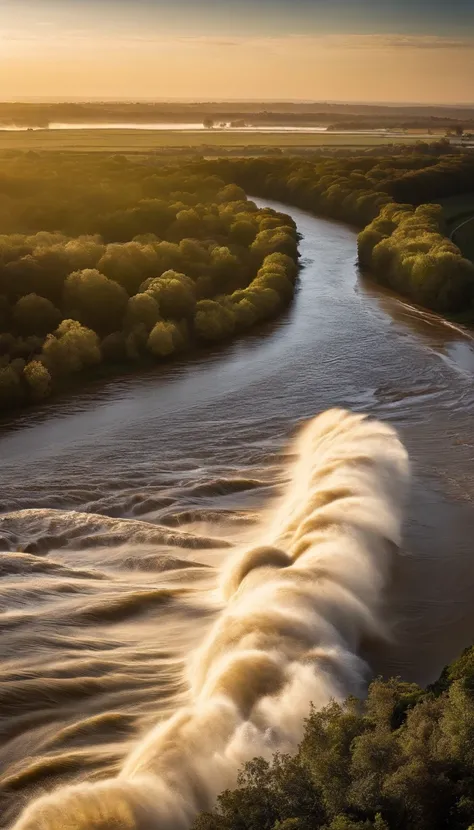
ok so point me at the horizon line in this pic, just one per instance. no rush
(230, 100)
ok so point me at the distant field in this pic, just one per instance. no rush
(459, 213)
(128, 141)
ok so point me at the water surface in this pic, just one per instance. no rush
(124, 501)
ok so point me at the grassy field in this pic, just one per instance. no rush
(129, 141)
(459, 213)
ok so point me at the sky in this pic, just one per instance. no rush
(411, 51)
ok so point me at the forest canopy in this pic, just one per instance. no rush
(108, 260)
(404, 243)
(114, 259)
(403, 759)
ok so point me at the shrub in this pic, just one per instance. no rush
(35, 315)
(38, 380)
(162, 339)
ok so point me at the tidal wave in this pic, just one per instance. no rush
(297, 608)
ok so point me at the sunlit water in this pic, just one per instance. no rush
(125, 500)
(192, 127)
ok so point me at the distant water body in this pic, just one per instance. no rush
(180, 127)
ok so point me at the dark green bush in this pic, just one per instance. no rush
(403, 759)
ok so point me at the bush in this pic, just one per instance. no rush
(175, 295)
(71, 348)
(213, 321)
(38, 380)
(95, 300)
(402, 759)
(143, 308)
(162, 339)
(35, 315)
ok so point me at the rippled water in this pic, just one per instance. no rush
(125, 500)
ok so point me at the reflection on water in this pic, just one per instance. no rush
(179, 126)
(198, 127)
(450, 340)
(118, 506)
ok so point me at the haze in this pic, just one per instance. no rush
(352, 50)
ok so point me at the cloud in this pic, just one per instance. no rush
(47, 30)
(397, 41)
(372, 42)
(330, 42)
(283, 49)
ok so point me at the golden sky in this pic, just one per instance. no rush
(273, 49)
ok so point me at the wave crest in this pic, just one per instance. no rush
(299, 605)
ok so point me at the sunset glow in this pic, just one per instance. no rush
(270, 49)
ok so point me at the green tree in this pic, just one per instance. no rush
(35, 315)
(38, 380)
(95, 300)
(213, 321)
(143, 308)
(175, 295)
(71, 348)
(162, 339)
(231, 193)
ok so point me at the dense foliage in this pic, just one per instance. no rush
(106, 259)
(352, 188)
(405, 248)
(401, 760)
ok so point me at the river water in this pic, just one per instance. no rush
(200, 127)
(125, 500)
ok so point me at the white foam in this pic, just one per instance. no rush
(297, 609)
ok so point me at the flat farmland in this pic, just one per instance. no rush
(136, 140)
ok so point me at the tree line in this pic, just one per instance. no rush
(342, 116)
(404, 242)
(111, 261)
(403, 759)
(406, 249)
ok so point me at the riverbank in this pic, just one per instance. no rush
(403, 245)
(127, 491)
(122, 260)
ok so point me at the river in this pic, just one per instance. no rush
(125, 500)
(196, 127)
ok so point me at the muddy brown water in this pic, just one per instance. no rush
(123, 501)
